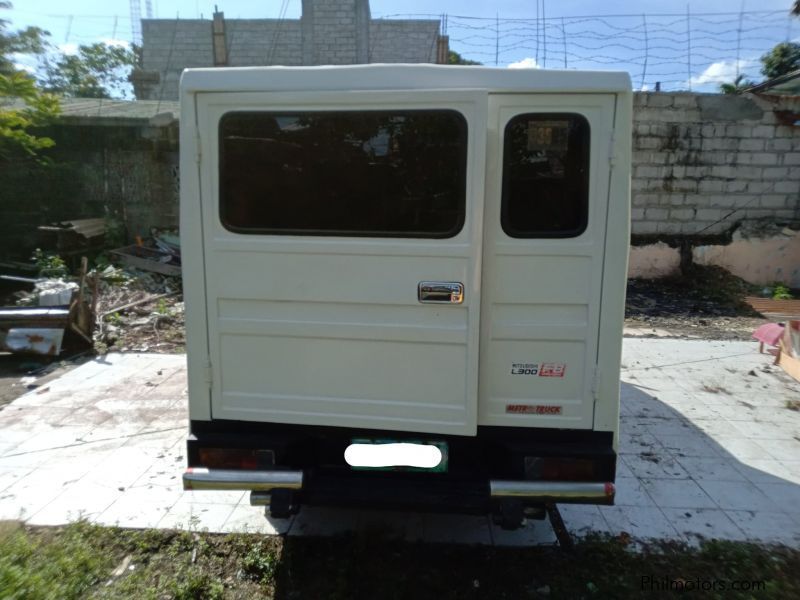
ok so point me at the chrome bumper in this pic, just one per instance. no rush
(219, 479)
(553, 491)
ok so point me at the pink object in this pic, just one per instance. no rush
(769, 334)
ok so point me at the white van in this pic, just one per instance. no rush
(420, 266)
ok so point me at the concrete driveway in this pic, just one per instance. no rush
(708, 449)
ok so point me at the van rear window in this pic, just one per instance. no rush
(344, 173)
(545, 175)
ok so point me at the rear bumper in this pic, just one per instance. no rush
(261, 483)
(230, 479)
(497, 465)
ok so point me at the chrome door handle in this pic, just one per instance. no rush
(440, 292)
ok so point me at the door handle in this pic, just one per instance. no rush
(440, 292)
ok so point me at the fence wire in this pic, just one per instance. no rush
(675, 51)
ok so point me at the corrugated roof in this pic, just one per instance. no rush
(83, 109)
(785, 85)
(121, 109)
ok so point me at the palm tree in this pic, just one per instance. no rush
(739, 84)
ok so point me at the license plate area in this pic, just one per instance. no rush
(364, 454)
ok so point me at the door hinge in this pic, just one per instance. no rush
(197, 145)
(612, 151)
(208, 375)
(596, 384)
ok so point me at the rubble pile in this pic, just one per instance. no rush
(138, 311)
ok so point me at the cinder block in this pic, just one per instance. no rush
(709, 214)
(782, 145)
(684, 101)
(649, 171)
(648, 143)
(772, 201)
(644, 227)
(724, 171)
(791, 158)
(710, 186)
(735, 186)
(643, 199)
(657, 100)
(751, 144)
(765, 158)
(775, 173)
(740, 131)
(671, 227)
(657, 214)
(788, 187)
(681, 214)
(763, 131)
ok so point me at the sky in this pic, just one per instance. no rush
(655, 42)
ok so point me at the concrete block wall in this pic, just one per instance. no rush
(169, 43)
(337, 31)
(412, 41)
(263, 41)
(330, 32)
(704, 162)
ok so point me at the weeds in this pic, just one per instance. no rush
(781, 292)
(259, 563)
(49, 265)
(104, 563)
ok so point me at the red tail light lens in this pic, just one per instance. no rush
(235, 458)
(551, 468)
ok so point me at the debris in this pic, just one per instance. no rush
(149, 259)
(705, 302)
(55, 292)
(137, 303)
(769, 334)
(775, 309)
(139, 311)
(788, 355)
(37, 341)
(71, 238)
(63, 307)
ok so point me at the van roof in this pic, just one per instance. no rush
(401, 77)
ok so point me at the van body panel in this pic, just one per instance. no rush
(541, 295)
(328, 330)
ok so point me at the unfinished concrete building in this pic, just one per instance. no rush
(329, 32)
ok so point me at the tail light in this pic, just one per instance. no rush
(554, 468)
(235, 458)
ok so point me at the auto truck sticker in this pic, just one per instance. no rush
(533, 409)
(539, 369)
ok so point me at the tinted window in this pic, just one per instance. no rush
(545, 175)
(376, 173)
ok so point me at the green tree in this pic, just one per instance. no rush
(739, 85)
(454, 58)
(95, 71)
(31, 40)
(22, 105)
(783, 58)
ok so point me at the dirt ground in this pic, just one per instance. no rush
(21, 374)
(705, 303)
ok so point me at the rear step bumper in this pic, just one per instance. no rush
(553, 491)
(530, 492)
(221, 479)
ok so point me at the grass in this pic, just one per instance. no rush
(87, 561)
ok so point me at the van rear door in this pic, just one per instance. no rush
(342, 238)
(545, 219)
